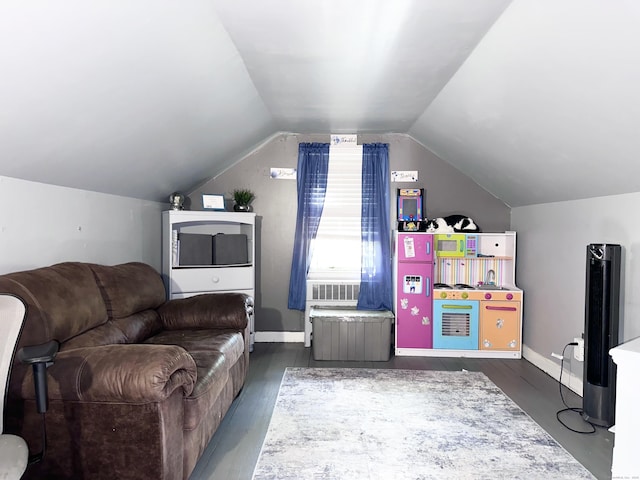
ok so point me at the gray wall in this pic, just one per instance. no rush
(552, 240)
(448, 191)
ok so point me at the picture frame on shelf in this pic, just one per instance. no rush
(213, 202)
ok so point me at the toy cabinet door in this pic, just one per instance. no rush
(499, 325)
(414, 247)
(414, 307)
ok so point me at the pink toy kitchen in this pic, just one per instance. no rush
(456, 296)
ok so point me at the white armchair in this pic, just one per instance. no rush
(14, 452)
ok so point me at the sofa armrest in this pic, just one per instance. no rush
(210, 310)
(128, 373)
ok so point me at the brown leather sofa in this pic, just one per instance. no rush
(139, 385)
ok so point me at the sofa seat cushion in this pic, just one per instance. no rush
(229, 344)
(213, 375)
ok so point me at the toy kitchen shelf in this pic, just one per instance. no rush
(468, 303)
(182, 281)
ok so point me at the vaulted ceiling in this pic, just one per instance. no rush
(535, 101)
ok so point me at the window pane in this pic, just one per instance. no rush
(337, 244)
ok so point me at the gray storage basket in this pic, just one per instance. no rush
(344, 333)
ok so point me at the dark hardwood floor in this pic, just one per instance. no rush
(234, 449)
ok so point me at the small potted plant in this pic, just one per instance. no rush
(243, 198)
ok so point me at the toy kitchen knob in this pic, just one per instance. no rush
(509, 296)
(215, 279)
(443, 294)
(465, 295)
(487, 296)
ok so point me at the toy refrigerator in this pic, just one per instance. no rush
(413, 266)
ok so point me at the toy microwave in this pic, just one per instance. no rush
(455, 245)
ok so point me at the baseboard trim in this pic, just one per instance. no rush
(279, 337)
(552, 368)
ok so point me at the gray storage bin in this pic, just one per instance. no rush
(348, 334)
(230, 249)
(195, 249)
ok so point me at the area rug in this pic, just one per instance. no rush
(354, 424)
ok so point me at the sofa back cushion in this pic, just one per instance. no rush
(62, 300)
(129, 288)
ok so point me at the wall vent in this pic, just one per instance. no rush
(328, 293)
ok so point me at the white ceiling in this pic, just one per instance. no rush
(536, 101)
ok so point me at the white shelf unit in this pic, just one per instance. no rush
(189, 280)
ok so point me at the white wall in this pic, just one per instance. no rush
(44, 224)
(551, 268)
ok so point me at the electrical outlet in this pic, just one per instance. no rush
(578, 350)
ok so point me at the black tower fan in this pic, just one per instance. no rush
(601, 333)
